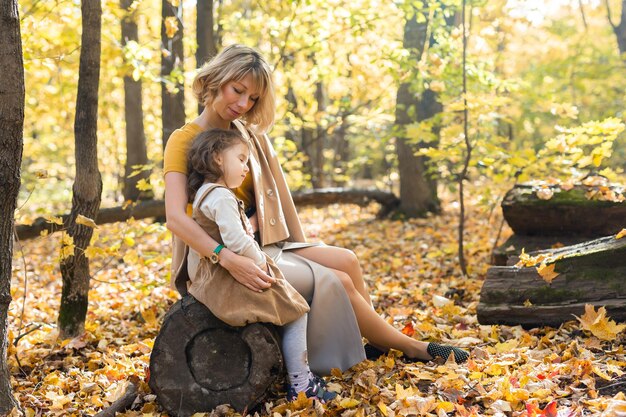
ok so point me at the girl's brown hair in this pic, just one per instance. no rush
(201, 164)
(234, 63)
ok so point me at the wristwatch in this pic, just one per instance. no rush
(215, 256)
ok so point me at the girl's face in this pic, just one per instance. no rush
(234, 165)
(235, 99)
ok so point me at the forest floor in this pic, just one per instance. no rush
(415, 282)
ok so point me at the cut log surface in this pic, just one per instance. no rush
(566, 213)
(592, 272)
(199, 362)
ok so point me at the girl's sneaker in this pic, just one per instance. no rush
(316, 390)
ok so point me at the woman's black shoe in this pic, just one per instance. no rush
(372, 352)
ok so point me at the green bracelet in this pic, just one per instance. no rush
(218, 249)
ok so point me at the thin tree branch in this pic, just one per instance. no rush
(608, 14)
(582, 14)
(468, 146)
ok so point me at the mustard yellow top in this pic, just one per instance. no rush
(175, 159)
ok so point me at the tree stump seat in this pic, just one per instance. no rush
(198, 362)
(592, 272)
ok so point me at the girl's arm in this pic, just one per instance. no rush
(222, 207)
(241, 268)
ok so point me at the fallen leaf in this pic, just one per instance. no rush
(547, 272)
(86, 221)
(598, 324)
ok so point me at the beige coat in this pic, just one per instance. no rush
(276, 212)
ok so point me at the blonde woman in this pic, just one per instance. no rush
(237, 92)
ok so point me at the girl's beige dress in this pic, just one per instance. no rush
(213, 286)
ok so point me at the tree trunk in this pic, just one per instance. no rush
(88, 183)
(589, 273)
(199, 362)
(205, 35)
(172, 91)
(418, 191)
(620, 31)
(136, 152)
(318, 179)
(11, 145)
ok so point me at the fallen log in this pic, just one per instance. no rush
(156, 208)
(549, 210)
(508, 252)
(593, 272)
(199, 362)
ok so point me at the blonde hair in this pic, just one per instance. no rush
(234, 63)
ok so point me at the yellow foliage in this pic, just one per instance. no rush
(598, 324)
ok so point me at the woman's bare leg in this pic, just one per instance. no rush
(340, 259)
(375, 329)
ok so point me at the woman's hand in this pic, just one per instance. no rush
(245, 271)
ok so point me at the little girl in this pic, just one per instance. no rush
(218, 162)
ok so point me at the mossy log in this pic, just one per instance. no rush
(566, 213)
(198, 362)
(593, 272)
(508, 252)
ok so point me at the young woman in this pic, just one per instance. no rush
(218, 161)
(237, 91)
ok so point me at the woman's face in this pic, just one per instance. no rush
(236, 98)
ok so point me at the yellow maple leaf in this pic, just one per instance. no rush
(349, 403)
(402, 393)
(171, 26)
(547, 272)
(621, 234)
(54, 219)
(67, 246)
(86, 221)
(598, 324)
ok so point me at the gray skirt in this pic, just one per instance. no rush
(333, 336)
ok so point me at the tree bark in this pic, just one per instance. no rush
(156, 208)
(172, 98)
(418, 191)
(199, 362)
(589, 273)
(136, 152)
(11, 145)
(318, 179)
(87, 189)
(205, 35)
